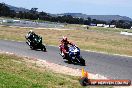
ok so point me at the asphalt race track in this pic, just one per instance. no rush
(35, 25)
(111, 66)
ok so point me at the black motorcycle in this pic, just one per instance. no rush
(36, 43)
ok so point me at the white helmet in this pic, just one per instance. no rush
(64, 38)
(31, 31)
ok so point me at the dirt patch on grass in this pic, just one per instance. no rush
(43, 65)
(62, 69)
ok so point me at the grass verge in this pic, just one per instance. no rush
(15, 72)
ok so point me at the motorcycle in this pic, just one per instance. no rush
(73, 55)
(36, 43)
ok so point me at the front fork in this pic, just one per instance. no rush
(76, 58)
(28, 43)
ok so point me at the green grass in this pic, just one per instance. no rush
(73, 26)
(15, 72)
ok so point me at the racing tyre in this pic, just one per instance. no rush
(32, 48)
(43, 48)
(69, 60)
(82, 61)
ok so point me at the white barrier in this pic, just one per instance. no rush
(125, 33)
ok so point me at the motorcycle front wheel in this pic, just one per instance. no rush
(43, 48)
(82, 61)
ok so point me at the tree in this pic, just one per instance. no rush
(4, 10)
(33, 10)
(113, 22)
(33, 14)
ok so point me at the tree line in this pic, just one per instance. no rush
(33, 14)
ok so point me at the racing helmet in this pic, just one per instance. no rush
(64, 38)
(31, 31)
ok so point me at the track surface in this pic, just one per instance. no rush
(35, 25)
(110, 66)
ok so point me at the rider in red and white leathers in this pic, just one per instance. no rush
(64, 46)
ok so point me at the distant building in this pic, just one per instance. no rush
(100, 25)
(106, 26)
(112, 26)
(93, 24)
(7, 21)
(4, 21)
(125, 33)
(16, 21)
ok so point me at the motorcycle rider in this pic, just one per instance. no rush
(30, 36)
(64, 46)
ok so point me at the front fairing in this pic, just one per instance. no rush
(38, 40)
(74, 51)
